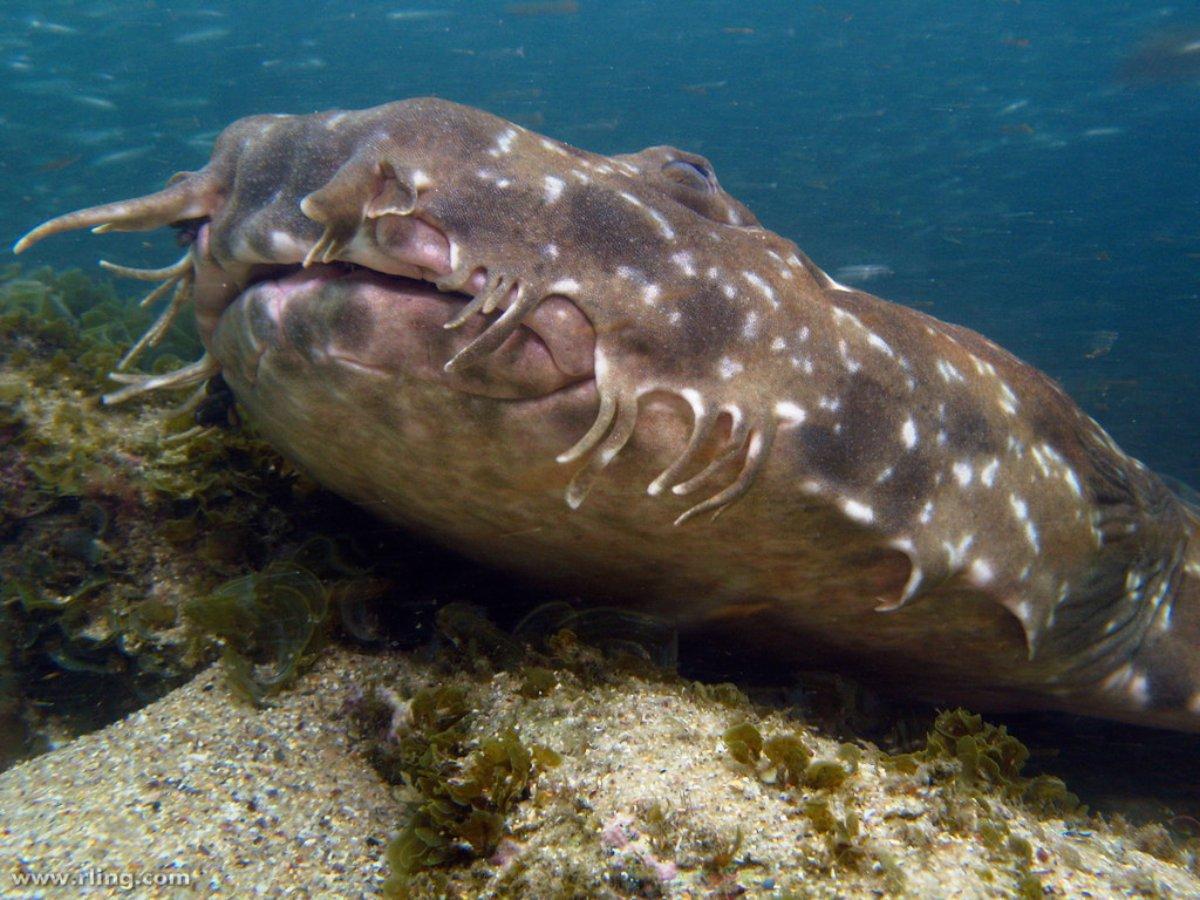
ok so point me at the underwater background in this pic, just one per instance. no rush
(1028, 170)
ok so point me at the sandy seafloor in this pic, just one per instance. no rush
(275, 801)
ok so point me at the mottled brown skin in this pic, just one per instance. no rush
(895, 493)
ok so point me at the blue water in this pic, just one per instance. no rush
(986, 154)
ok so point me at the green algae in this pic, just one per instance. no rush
(991, 759)
(464, 795)
(790, 757)
(268, 621)
(107, 521)
(744, 743)
(70, 326)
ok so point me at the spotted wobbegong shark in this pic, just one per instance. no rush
(472, 329)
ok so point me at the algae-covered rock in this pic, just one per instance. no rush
(112, 518)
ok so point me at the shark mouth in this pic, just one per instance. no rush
(404, 313)
(394, 326)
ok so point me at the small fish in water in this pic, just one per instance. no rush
(1100, 343)
(1165, 57)
(202, 36)
(498, 53)
(862, 273)
(94, 102)
(550, 8)
(61, 162)
(600, 125)
(93, 136)
(50, 27)
(702, 88)
(416, 15)
(308, 64)
(121, 156)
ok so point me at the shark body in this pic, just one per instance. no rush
(605, 373)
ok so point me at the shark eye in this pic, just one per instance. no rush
(696, 175)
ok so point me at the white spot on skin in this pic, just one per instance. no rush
(852, 365)
(963, 473)
(803, 334)
(1118, 679)
(840, 316)
(859, 512)
(565, 286)
(1072, 481)
(778, 345)
(664, 227)
(880, 344)
(1008, 400)
(550, 251)
(1020, 507)
(908, 433)
(956, 554)
(790, 413)
(988, 474)
(629, 273)
(1040, 458)
(554, 188)
(1139, 689)
(729, 290)
(948, 372)
(926, 513)
(650, 294)
(727, 368)
(760, 283)
(981, 572)
(420, 180)
(683, 260)
(284, 245)
(630, 199)
(750, 326)
(504, 142)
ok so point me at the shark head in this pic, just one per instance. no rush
(445, 250)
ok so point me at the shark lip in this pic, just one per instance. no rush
(385, 325)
